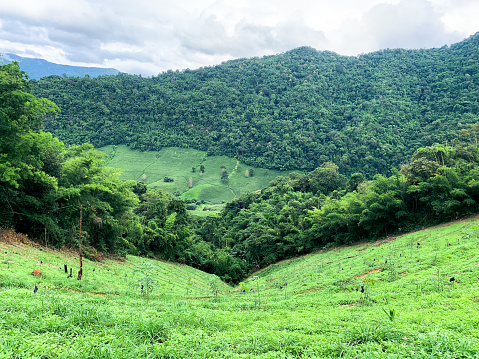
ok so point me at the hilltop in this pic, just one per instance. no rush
(294, 110)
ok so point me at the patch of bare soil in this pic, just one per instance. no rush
(310, 290)
(88, 293)
(350, 304)
(366, 274)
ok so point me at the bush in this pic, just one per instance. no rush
(92, 254)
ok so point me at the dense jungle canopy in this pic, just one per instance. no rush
(294, 110)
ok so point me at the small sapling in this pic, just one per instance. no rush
(213, 283)
(391, 313)
(147, 283)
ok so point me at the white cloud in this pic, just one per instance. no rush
(462, 17)
(147, 37)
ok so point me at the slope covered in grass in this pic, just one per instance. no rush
(111, 277)
(177, 163)
(310, 307)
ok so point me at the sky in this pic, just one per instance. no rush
(148, 37)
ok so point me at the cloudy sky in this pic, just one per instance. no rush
(151, 36)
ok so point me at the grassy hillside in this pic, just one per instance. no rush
(177, 163)
(109, 277)
(390, 299)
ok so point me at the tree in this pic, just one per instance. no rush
(20, 114)
(140, 188)
(105, 199)
(326, 178)
(354, 180)
(166, 226)
(30, 160)
(224, 176)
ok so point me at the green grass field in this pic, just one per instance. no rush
(177, 163)
(394, 298)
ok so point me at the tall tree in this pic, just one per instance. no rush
(30, 160)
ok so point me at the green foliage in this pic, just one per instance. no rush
(43, 184)
(30, 160)
(294, 110)
(363, 333)
(176, 162)
(147, 283)
(165, 231)
(214, 285)
(391, 313)
(294, 214)
(224, 176)
(107, 202)
(298, 213)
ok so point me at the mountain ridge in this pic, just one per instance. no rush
(294, 110)
(38, 68)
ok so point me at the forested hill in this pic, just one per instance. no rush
(295, 110)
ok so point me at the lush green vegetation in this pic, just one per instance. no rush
(298, 213)
(295, 110)
(398, 297)
(310, 307)
(44, 185)
(180, 164)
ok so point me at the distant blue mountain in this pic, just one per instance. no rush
(38, 68)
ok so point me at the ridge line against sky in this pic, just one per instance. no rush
(149, 37)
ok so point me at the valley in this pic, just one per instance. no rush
(390, 298)
(294, 203)
(290, 206)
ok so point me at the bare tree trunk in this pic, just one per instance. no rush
(80, 272)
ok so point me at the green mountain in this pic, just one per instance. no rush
(38, 68)
(64, 195)
(294, 110)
